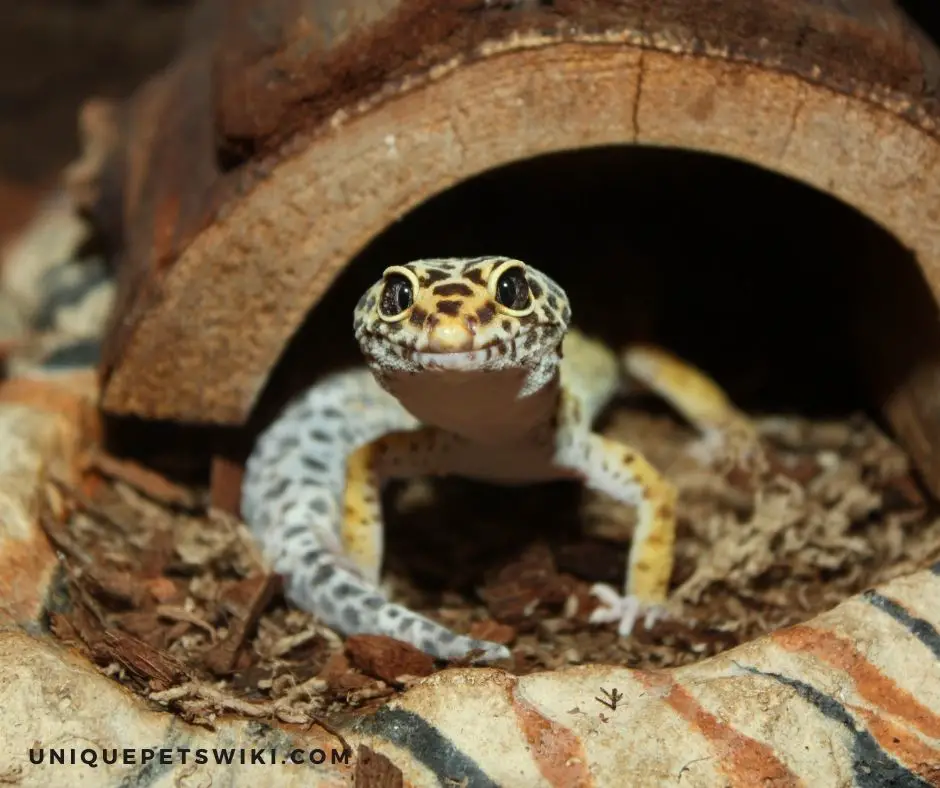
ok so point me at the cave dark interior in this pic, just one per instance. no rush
(778, 290)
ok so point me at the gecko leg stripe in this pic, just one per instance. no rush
(923, 630)
(428, 745)
(872, 767)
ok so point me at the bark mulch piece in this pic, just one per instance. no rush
(176, 601)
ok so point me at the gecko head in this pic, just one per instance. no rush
(463, 315)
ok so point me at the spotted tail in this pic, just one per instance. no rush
(292, 500)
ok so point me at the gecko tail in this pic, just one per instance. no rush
(319, 582)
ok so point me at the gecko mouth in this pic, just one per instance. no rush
(469, 360)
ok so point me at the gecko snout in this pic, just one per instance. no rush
(448, 334)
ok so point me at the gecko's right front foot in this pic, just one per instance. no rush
(623, 609)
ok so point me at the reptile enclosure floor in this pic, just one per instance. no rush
(749, 275)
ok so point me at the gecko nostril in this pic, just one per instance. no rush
(472, 324)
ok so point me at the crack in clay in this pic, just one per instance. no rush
(791, 126)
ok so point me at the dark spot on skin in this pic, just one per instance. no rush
(427, 626)
(393, 328)
(296, 531)
(433, 275)
(576, 410)
(371, 302)
(429, 646)
(373, 602)
(320, 436)
(642, 566)
(486, 313)
(344, 590)
(446, 637)
(312, 557)
(553, 302)
(451, 308)
(405, 625)
(418, 316)
(507, 326)
(290, 442)
(475, 275)
(629, 458)
(453, 289)
(351, 617)
(566, 314)
(323, 574)
(285, 508)
(393, 613)
(313, 464)
(665, 511)
(326, 606)
(472, 261)
(275, 492)
(318, 506)
(331, 413)
(528, 320)
(531, 340)
(535, 288)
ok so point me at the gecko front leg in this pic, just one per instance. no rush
(403, 454)
(621, 472)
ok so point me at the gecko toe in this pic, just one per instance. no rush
(624, 610)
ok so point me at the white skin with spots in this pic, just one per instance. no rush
(466, 376)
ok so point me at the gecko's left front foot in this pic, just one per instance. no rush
(626, 610)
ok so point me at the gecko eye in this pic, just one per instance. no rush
(397, 295)
(512, 289)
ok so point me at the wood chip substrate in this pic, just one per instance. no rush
(173, 599)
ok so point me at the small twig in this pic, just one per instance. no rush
(288, 643)
(179, 614)
(611, 698)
